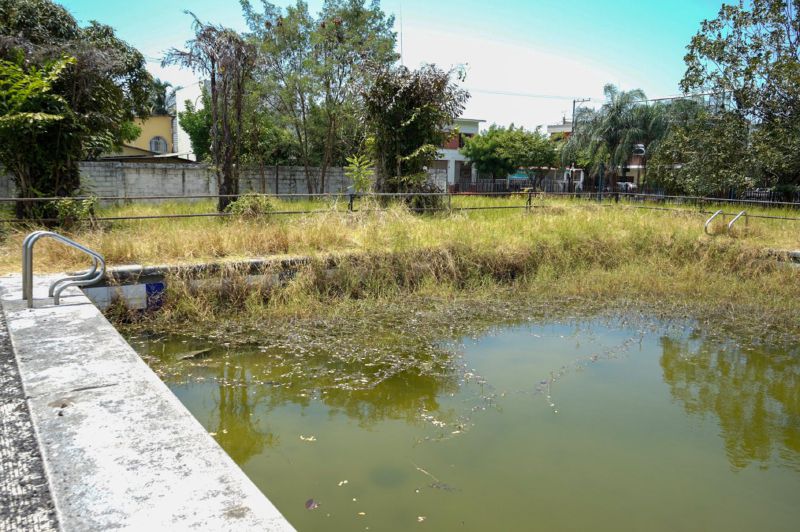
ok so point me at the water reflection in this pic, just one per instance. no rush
(405, 384)
(754, 392)
(236, 430)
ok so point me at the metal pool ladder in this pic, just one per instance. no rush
(730, 225)
(91, 276)
(708, 222)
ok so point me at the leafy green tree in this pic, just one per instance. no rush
(267, 142)
(101, 90)
(349, 38)
(30, 113)
(313, 69)
(408, 113)
(501, 152)
(749, 57)
(285, 71)
(196, 121)
(706, 155)
(227, 60)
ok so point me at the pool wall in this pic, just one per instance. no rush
(119, 450)
(142, 287)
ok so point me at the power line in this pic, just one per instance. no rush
(522, 94)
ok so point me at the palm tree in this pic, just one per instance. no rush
(163, 98)
(608, 133)
(647, 125)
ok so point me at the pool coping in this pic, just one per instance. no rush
(119, 449)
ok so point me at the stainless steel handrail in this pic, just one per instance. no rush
(91, 276)
(730, 225)
(708, 222)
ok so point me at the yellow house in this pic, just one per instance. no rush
(157, 137)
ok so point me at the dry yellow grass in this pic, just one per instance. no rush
(561, 249)
(585, 232)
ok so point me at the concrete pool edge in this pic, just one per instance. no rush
(119, 449)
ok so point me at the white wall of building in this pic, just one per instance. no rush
(191, 93)
(466, 126)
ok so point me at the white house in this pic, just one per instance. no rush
(564, 128)
(452, 166)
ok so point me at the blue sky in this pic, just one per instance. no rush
(526, 58)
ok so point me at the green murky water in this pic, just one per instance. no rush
(590, 425)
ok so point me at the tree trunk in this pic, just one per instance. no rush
(326, 160)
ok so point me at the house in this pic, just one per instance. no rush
(562, 130)
(452, 167)
(158, 138)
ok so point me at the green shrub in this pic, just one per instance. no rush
(251, 205)
(360, 171)
(73, 213)
(423, 204)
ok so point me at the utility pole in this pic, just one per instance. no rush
(571, 132)
(401, 34)
(574, 102)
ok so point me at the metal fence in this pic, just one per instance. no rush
(525, 199)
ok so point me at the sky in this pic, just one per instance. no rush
(526, 59)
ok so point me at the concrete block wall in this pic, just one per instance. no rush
(290, 180)
(117, 179)
(7, 189)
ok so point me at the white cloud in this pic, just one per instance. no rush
(511, 83)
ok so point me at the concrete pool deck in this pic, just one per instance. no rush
(117, 447)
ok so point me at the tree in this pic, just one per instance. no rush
(407, 113)
(608, 134)
(100, 90)
(501, 152)
(349, 38)
(312, 71)
(162, 101)
(196, 121)
(284, 69)
(749, 56)
(267, 142)
(705, 155)
(30, 113)
(227, 60)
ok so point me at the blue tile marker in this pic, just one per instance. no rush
(155, 295)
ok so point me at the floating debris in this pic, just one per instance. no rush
(195, 355)
(420, 518)
(308, 438)
(311, 504)
(342, 483)
(443, 486)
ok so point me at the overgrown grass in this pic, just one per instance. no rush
(561, 250)
(601, 231)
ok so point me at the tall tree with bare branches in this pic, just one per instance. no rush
(223, 57)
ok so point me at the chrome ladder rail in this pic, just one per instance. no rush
(708, 222)
(730, 225)
(91, 276)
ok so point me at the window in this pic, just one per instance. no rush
(158, 145)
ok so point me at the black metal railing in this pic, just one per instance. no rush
(521, 198)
